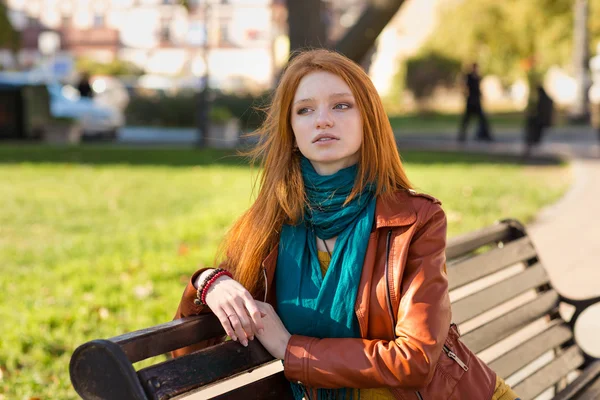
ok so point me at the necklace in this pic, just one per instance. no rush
(326, 247)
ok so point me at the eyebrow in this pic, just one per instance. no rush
(334, 95)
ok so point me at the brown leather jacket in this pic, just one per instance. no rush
(407, 342)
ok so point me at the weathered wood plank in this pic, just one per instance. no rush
(466, 243)
(180, 375)
(503, 326)
(490, 297)
(161, 339)
(592, 391)
(491, 261)
(587, 385)
(550, 374)
(520, 356)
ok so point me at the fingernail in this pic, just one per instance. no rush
(233, 338)
(251, 338)
(245, 343)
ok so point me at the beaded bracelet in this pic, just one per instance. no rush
(202, 290)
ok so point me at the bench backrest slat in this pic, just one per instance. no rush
(501, 327)
(466, 243)
(494, 260)
(550, 374)
(588, 381)
(182, 374)
(527, 352)
(484, 300)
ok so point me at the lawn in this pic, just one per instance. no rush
(434, 122)
(96, 241)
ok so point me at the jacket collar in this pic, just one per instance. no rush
(396, 212)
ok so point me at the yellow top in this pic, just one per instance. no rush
(365, 394)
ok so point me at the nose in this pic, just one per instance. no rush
(324, 119)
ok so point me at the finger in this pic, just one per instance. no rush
(234, 320)
(255, 314)
(222, 316)
(244, 318)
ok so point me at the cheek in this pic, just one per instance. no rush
(300, 129)
(356, 127)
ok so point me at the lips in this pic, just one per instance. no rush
(325, 137)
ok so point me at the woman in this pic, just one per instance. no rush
(348, 261)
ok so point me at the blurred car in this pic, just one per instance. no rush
(110, 91)
(97, 120)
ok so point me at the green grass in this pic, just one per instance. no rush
(97, 241)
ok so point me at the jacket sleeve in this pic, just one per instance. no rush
(423, 321)
(187, 308)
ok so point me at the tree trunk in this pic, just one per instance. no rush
(307, 25)
(580, 59)
(360, 38)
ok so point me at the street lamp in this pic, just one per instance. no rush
(204, 100)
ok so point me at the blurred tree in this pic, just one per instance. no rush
(361, 37)
(307, 24)
(581, 56)
(507, 38)
(9, 37)
(113, 68)
(429, 70)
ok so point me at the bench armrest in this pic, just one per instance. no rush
(173, 335)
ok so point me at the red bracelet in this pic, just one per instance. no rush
(208, 284)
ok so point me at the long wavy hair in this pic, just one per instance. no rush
(281, 197)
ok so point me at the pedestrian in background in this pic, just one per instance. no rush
(473, 108)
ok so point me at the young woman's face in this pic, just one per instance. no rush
(326, 122)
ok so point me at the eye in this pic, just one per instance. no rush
(342, 106)
(303, 110)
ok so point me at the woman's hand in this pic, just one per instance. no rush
(275, 336)
(235, 308)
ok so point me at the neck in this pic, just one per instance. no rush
(325, 169)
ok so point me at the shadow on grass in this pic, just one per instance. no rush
(187, 157)
(119, 155)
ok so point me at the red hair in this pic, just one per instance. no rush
(281, 197)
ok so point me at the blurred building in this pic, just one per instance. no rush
(236, 40)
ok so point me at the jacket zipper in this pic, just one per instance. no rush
(453, 356)
(387, 282)
(389, 295)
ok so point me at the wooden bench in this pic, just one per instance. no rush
(501, 297)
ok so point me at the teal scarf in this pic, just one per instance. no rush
(309, 303)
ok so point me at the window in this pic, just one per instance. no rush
(98, 21)
(165, 30)
(224, 34)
